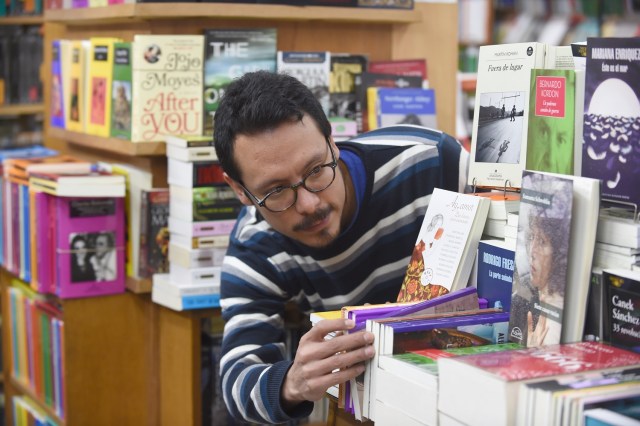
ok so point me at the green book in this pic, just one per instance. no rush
(122, 91)
(47, 373)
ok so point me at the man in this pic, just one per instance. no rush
(325, 225)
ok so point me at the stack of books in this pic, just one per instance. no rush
(202, 213)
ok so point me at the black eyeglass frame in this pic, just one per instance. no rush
(262, 203)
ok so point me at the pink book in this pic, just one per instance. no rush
(416, 67)
(90, 242)
(45, 231)
(213, 227)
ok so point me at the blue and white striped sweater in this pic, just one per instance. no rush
(366, 264)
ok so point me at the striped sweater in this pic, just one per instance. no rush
(395, 169)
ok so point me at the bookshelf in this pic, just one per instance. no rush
(130, 361)
(22, 109)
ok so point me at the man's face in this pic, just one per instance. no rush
(282, 157)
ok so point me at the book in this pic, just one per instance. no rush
(606, 417)
(204, 203)
(541, 259)
(57, 91)
(342, 85)
(498, 377)
(621, 317)
(365, 80)
(443, 256)
(555, 121)
(388, 106)
(495, 265)
(189, 257)
(154, 232)
(230, 53)
(611, 117)
(194, 174)
(192, 154)
(90, 240)
(500, 118)
(165, 293)
(618, 226)
(122, 90)
(94, 184)
(502, 203)
(414, 67)
(188, 141)
(216, 241)
(167, 86)
(207, 228)
(100, 79)
(203, 275)
(75, 92)
(310, 68)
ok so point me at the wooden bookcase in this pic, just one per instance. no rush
(128, 360)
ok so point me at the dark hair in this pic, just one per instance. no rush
(556, 230)
(257, 102)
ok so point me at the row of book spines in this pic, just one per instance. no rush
(26, 412)
(37, 334)
(77, 4)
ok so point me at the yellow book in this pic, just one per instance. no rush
(74, 85)
(372, 107)
(100, 80)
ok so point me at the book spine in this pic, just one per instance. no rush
(122, 91)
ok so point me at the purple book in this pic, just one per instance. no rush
(90, 243)
(57, 92)
(77, 4)
(44, 242)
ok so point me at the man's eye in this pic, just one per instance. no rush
(315, 171)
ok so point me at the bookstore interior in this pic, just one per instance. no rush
(518, 297)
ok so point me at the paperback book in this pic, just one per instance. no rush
(100, 78)
(154, 232)
(501, 113)
(612, 117)
(622, 308)
(311, 68)
(445, 248)
(388, 106)
(342, 86)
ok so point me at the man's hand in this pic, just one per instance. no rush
(312, 372)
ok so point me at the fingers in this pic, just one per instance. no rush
(310, 350)
(324, 327)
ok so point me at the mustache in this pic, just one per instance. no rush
(311, 219)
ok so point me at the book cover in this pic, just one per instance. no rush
(494, 276)
(90, 246)
(204, 203)
(622, 308)
(311, 68)
(100, 78)
(188, 141)
(554, 135)
(502, 203)
(93, 184)
(154, 232)
(57, 91)
(541, 259)
(442, 258)
(167, 86)
(44, 241)
(498, 376)
(230, 53)
(189, 257)
(165, 293)
(121, 92)
(194, 174)
(75, 92)
(193, 153)
(365, 80)
(342, 85)
(415, 67)
(501, 113)
(388, 106)
(618, 226)
(612, 116)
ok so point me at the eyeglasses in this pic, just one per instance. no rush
(283, 197)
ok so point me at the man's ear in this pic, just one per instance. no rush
(237, 188)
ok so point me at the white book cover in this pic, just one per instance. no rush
(195, 153)
(195, 258)
(445, 246)
(203, 275)
(500, 120)
(311, 68)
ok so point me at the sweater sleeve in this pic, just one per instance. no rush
(253, 364)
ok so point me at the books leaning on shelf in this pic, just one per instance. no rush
(445, 247)
(497, 377)
(182, 297)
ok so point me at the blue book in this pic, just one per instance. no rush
(57, 91)
(495, 264)
(406, 106)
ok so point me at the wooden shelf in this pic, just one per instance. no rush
(22, 20)
(124, 13)
(21, 109)
(139, 285)
(24, 390)
(114, 145)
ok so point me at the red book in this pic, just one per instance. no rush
(416, 67)
(497, 376)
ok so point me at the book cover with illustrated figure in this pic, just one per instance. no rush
(311, 68)
(121, 92)
(611, 150)
(342, 84)
(443, 256)
(555, 121)
(100, 77)
(622, 308)
(90, 246)
(499, 376)
(501, 113)
(57, 86)
(388, 106)
(541, 259)
(229, 54)
(154, 232)
(74, 92)
(167, 89)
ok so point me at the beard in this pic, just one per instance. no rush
(322, 238)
